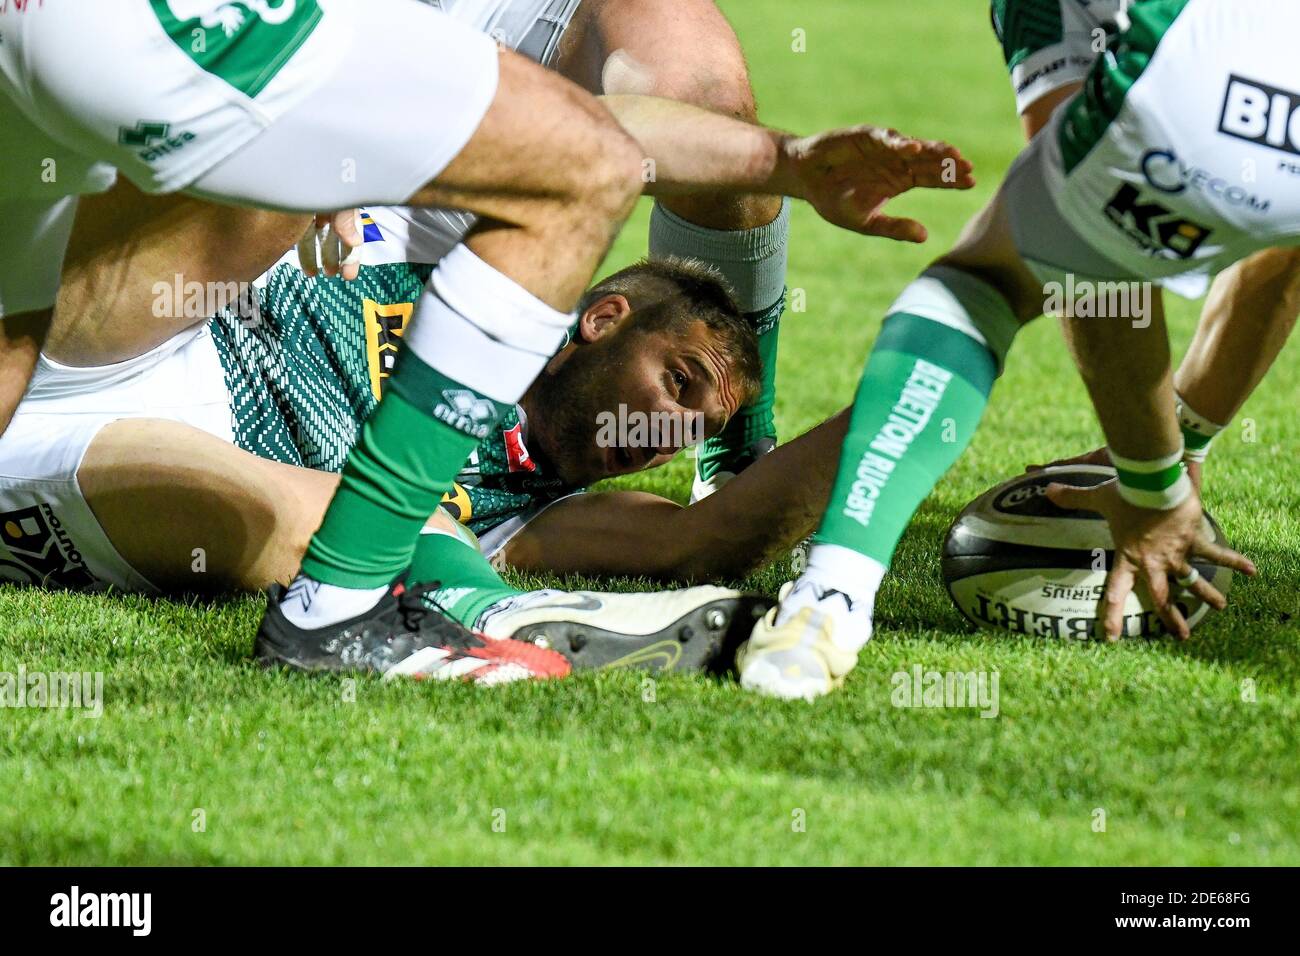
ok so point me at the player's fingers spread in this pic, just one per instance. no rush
(1207, 592)
(331, 253)
(348, 226)
(942, 166)
(1119, 584)
(1071, 498)
(901, 230)
(350, 267)
(308, 251)
(1157, 581)
(1220, 554)
(1177, 624)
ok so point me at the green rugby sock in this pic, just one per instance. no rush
(469, 584)
(917, 407)
(753, 261)
(407, 455)
(729, 449)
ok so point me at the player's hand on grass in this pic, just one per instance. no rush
(1152, 548)
(1101, 456)
(332, 245)
(849, 174)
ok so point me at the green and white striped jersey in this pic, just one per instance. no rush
(308, 369)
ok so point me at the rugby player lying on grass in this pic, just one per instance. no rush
(1082, 202)
(345, 611)
(1049, 46)
(222, 483)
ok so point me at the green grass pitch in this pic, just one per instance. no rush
(202, 758)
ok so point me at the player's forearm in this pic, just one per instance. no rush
(1248, 316)
(762, 512)
(1126, 368)
(689, 149)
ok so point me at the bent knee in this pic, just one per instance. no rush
(719, 91)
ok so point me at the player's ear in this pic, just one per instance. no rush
(603, 316)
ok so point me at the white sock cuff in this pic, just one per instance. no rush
(846, 570)
(482, 329)
(753, 261)
(962, 301)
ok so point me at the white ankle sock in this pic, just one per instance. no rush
(310, 604)
(841, 583)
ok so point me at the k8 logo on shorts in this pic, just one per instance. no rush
(1153, 226)
(1261, 114)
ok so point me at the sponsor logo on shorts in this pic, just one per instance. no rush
(40, 550)
(1261, 114)
(466, 412)
(458, 503)
(1152, 226)
(1169, 174)
(153, 140)
(385, 325)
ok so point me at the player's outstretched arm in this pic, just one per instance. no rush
(847, 175)
(764, 511)
(1154, 513)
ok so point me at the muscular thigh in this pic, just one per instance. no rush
(681, 49)
(678, 49)
(191, 512)
(127, 248)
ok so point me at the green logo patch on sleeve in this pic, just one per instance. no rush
(243, 42)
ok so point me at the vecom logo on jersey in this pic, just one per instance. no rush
(1261, 114)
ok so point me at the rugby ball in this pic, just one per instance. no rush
(1014, 561)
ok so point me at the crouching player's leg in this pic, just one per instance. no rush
(685, 50)
(1049, 46)
(495, 311)
(920, 399)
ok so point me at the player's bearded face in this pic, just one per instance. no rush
(621, 378)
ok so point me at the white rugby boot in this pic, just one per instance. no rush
(797, 659)
(693, 629)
